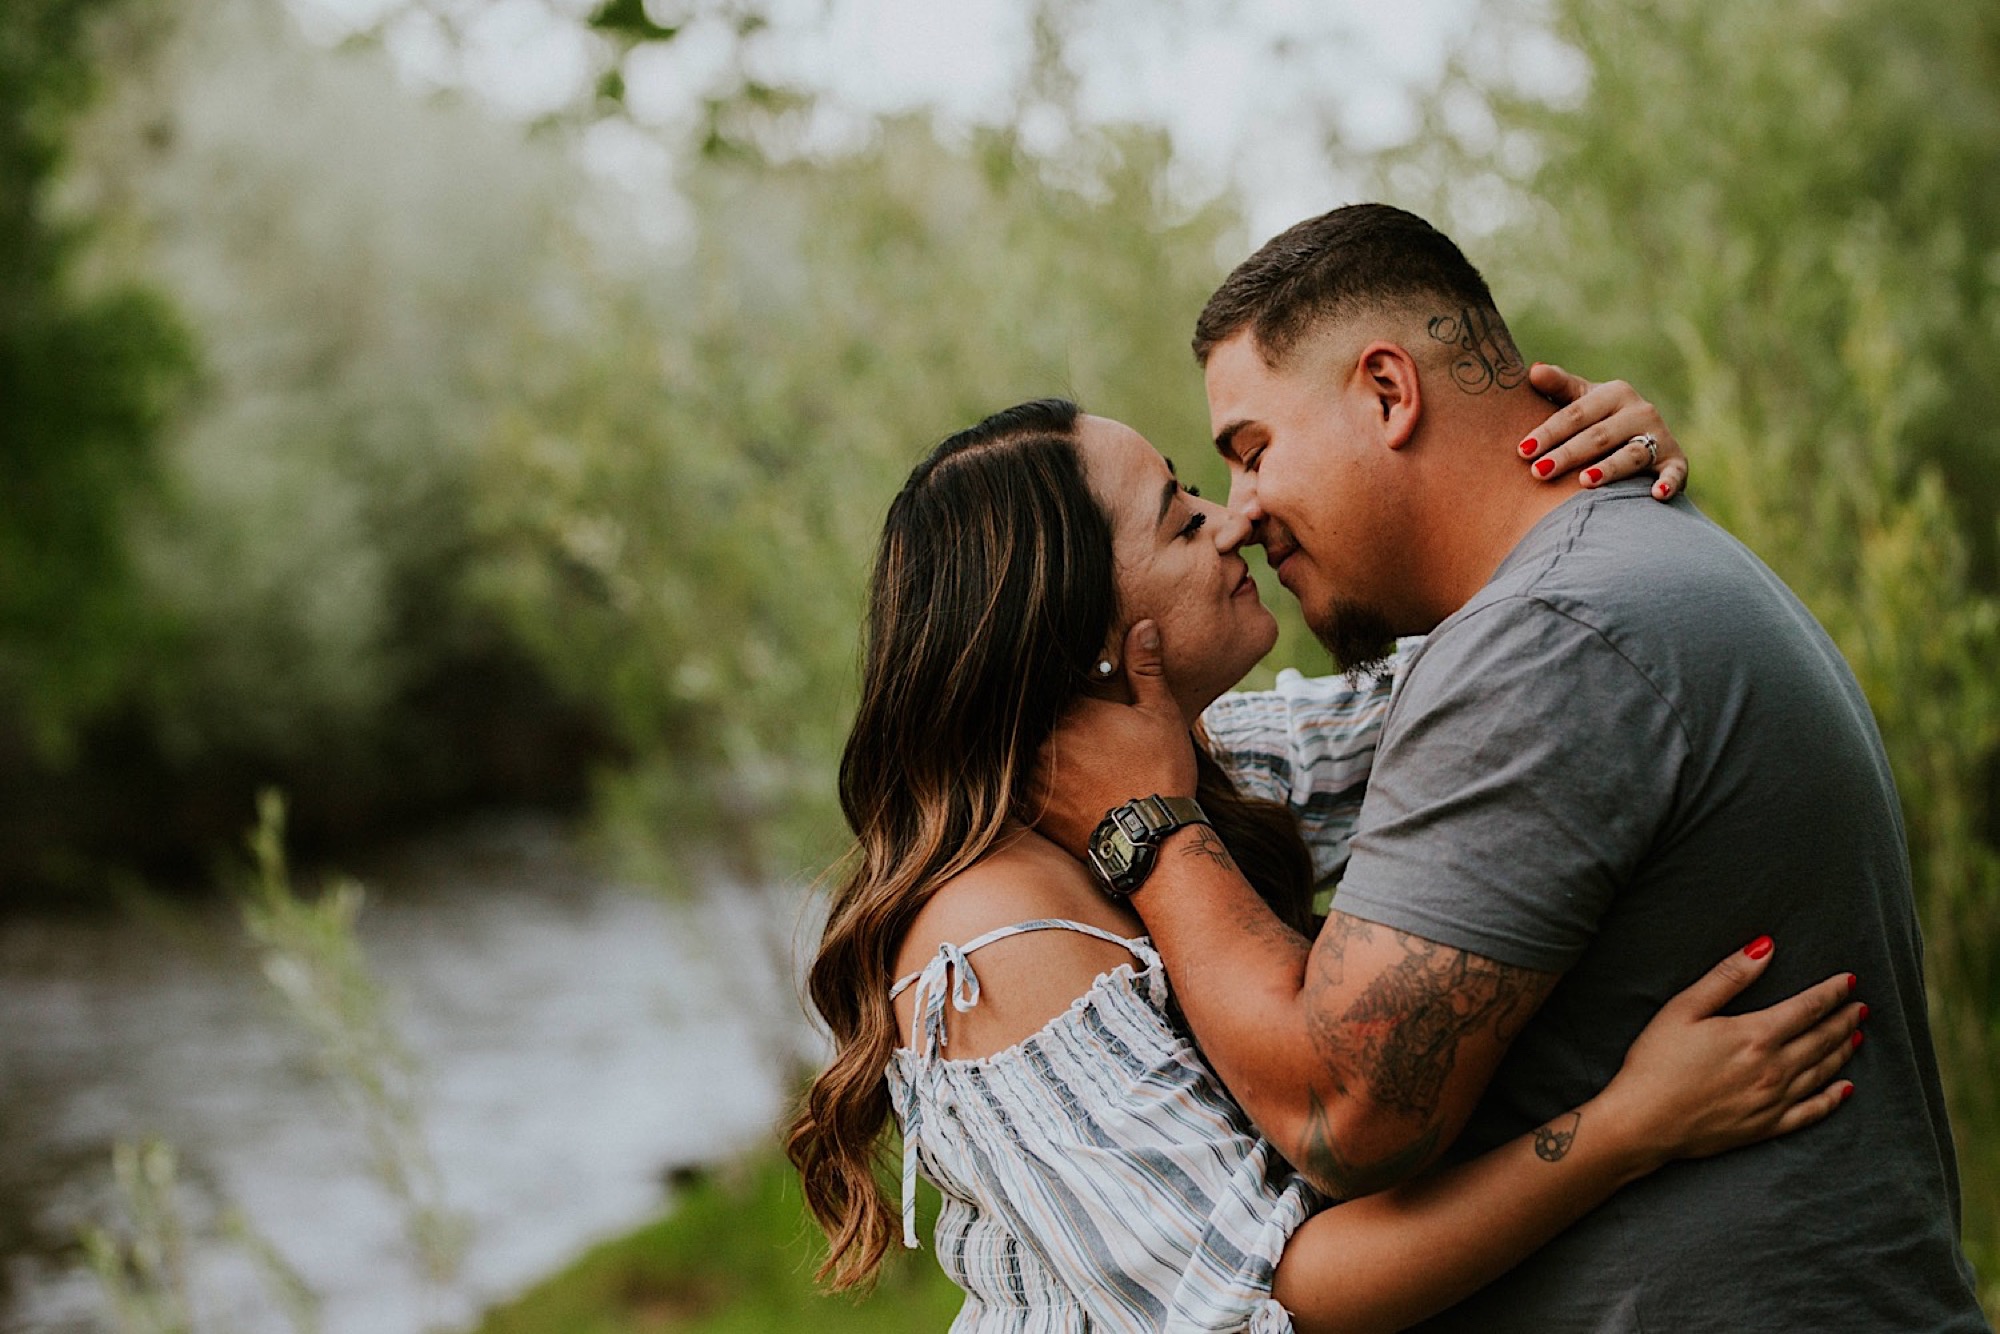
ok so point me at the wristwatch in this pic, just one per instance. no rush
(1127, 843)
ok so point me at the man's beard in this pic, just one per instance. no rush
(1359, 637)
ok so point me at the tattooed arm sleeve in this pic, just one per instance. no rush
(1406, 1033)
(1361, 1054)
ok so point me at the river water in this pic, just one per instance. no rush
(579, 1041)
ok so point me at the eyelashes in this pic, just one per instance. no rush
(1193, 525)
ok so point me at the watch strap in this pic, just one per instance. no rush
(1163, 815)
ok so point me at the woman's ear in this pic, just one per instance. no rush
(1388, 375)
(1107, 669)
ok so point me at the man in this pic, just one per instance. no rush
(1624, 750)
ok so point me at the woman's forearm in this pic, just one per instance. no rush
(1391, 1259)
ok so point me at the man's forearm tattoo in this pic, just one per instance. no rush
(1486, 353)
(1402, 1034)
(1552, 1141)
(1327, 1166)
(1399, 1039)
(1208, 844)
(1255, 918)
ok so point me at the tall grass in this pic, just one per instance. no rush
(309, 952)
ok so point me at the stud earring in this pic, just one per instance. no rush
(1105, 667)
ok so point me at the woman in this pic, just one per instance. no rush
(1095, 1174)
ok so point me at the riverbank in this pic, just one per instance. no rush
(579, 1041)
(734, 1256)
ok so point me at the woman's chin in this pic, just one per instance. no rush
(1242, 667)
(1263, 635)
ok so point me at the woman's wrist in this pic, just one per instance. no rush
(1630, 1144)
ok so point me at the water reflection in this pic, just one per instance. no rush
(580, 1040)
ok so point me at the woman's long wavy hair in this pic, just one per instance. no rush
(993, 594)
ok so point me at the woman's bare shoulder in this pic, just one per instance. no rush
(1025, 980)
(1022, 880)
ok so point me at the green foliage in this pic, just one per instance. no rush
(310, 954)
(628, 19)
(359, 303)
(88, 372)
(140, 1259)
(459, 436)
(367, 272)
(735, 1256)
(141, 1263)
(1783, 221)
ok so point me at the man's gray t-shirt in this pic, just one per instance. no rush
(1631, 753)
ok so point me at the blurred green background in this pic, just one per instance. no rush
(419, 454)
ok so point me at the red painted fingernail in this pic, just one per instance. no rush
(1758, 948)
(1662, 490)
(1593, 475)
(1852, 981)
(1864, 1012)
(1857, 1037)
(1847, 1093)
(1528, 447)
(1543, 467)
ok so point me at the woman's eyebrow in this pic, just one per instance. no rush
(1167, 494)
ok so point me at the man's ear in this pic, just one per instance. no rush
(1387, 373)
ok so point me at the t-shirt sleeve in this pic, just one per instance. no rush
(1308, 743)
(1524, 773)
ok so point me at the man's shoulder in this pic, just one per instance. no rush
(1532, 635)
(1608, 559)
(1663, 587)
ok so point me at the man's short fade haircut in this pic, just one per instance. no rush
(1357, 258)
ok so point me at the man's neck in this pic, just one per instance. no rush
(1480, 500)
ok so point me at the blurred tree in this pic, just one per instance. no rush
(363, 268)
(359, 263)
(1784, 221)
(88, 373)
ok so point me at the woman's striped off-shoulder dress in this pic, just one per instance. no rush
(1095, 1176)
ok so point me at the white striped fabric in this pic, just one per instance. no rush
(1309, 743)
(1095, 1176)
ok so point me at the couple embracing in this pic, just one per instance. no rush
(1501, 1081)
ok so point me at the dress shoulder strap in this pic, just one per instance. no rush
(1138, 945)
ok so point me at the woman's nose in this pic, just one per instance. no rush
(1231, 529)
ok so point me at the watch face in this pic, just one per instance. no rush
(1112, 852)
(1124, 847)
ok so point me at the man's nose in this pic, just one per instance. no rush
(1243, 495)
